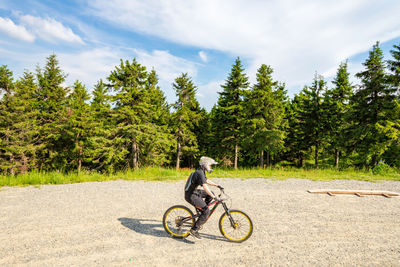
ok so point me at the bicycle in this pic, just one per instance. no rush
(235, 225)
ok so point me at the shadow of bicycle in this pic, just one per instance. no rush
(155, 228)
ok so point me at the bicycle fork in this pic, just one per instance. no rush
(233, 224)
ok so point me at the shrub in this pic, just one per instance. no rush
(382, 169)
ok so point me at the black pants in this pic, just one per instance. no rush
(196, 199)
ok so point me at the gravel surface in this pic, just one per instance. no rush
(118, 223)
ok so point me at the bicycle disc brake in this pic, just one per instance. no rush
(178, 222)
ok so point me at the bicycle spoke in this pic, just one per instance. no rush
(241, 229)
(173, 221)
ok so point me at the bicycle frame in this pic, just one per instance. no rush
(216, 203)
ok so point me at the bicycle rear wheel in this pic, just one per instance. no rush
(239, 230)
(178, 220)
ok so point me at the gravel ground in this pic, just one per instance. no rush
(118, 223)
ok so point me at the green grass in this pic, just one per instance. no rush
(164, 174)
(311, 174)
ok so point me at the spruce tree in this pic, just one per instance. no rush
(7, 156)
(228, 119)
(128, 80)
(390, 129)
(6, 80)
(394, 67)
(51, 104)
(372, 103)
(158, 101)
(102, 152)
(264, 115)
(185, 118)
(137, 136)
(295, 146)
(336, 105)
(25, 124)
(311, 116)
(160, 142)
(204, 134)
(18, 127)
(78, 130)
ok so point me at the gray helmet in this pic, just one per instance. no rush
(206, 163)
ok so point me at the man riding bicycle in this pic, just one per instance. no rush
(195, 196)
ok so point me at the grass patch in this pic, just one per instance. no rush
(311, 174)
(168, 174)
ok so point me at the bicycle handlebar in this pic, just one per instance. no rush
(221, 191)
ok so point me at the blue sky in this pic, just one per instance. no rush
(200, 37)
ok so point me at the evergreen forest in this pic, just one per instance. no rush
(126, 123)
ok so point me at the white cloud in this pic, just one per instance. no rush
(211, 88)
(296, 38)
(168, 67)
(50, 29)
(203, 56)
(90, 66)
(208, 93)
(8, 27)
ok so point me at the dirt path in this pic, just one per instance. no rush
(118, 223)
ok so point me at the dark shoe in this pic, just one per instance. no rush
(195, 233)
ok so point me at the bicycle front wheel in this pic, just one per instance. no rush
(178, 220)
(239, 228)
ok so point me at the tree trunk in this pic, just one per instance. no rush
(80, 160)
(12, 171)
(236, 155)
(316, 156)
(337, 158)
(178, 155)
(268, 159)
(374, 160)
(262, 159)
(135, 155)
(24, 167)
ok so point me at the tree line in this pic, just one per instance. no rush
(126, 122)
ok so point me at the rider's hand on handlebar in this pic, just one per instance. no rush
(220, 187)
(217, 198)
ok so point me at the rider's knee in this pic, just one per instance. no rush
(206, 211)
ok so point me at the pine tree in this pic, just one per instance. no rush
(18, 127)
(137, 137)
(158, 101)
(159, 143)
(336, 105)
(25, 126)
(102, 152)
(78, 130)
(186, 117)
(7, 157)
(6, 80)
(51, 105)
(372, 103)
(228, 119)
(264, 115)
(391, 130)
(128, 80)
(100, 103)
(204, 134)
(311, 116)
(295, 146)
(394, 67)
